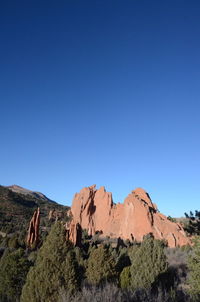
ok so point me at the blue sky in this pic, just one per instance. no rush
(104, 92)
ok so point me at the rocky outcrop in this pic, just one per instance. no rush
(55, 215)
(33, 231)
(74, 233)
(94, 210)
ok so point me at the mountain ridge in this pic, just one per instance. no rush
(18, 189)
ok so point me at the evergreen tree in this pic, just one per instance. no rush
(55, 268)
(72, 272)
(125, 277)
(192, 225)
(13, 267)
(101, 265)
(194, 270)
(148, 262)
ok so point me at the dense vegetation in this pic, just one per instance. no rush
(103, 269)
(55, 268)
(17, 209)
(192, 223)
(14, 268)
(194, 268)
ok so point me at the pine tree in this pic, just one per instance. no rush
(125, 277)
(13, 267)
(55, 269)
(101, 265)
(148, 262)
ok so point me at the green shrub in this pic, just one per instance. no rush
(101, 265)
(194, 270)
(147, 262)
(55, 268)
(125, 277)
(171, 219)
(192, 224)
(13, 242)
(14, 268)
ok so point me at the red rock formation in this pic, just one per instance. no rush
(74, 233)
(33, 231)
(55, 215)
(95, 211)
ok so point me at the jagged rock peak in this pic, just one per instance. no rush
(94, 210)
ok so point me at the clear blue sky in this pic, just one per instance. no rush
(104, 92)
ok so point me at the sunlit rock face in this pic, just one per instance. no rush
(95, 211)
(33, 230)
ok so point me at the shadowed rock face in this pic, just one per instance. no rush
(95, 211)
(74, 233)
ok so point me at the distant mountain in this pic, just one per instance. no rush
(20, 190)
(18, 204)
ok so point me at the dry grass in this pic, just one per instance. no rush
(112, 293)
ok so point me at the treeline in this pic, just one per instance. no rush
(101, 270)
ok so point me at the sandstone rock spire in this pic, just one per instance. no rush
(33, 231)
(74, 233)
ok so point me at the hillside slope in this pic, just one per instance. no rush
(20, 190)
(16, 208)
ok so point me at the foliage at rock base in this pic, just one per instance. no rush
(148, 262)
(100, 266)
(55, 268)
